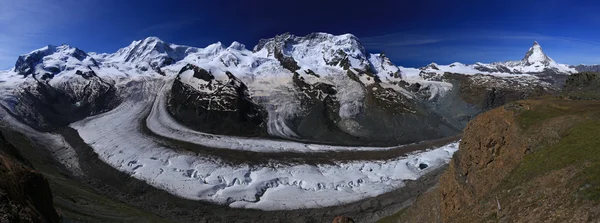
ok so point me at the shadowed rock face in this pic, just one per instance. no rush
(493, 93)
(225, 109)
(473, 94)
(386, 117)
(25, 194)
(321, 112)
(46, 107)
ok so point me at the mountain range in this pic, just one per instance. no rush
(284, 87)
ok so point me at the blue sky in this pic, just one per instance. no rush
(411, 33)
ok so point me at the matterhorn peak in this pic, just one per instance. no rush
(536, 55)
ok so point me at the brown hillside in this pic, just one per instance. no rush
(529, 161)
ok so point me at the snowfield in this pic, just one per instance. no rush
(115, 136)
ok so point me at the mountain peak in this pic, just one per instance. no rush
(535, 54)
(51, 60)
(50, 49)
(152, 39)
(237, 46)
(152, 50)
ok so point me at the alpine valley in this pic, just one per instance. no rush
(311, 126)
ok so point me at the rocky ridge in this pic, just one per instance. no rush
(535, 151)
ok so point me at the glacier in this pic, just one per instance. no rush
(266, 187)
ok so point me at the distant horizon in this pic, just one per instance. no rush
(412, 34)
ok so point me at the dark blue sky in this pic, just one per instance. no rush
(411, 33)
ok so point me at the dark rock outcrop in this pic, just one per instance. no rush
(383, 118)
(25, 194)
(225, 108)
(487, 92)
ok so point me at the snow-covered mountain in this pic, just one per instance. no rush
(49, 61)
(535, 62)
(56, 85)
(318, 87)
(152, 51)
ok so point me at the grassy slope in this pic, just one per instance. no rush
(579, 147)
(558, 181)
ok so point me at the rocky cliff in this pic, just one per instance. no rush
(528, 161)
